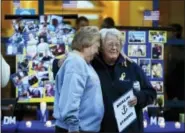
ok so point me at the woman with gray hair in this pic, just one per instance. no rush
(78, 104)
(118, 74)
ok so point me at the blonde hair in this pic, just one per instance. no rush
(85, 37)
(110, 31)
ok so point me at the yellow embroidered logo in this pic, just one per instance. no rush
(122, 77)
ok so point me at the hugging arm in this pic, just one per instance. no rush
(147, 94)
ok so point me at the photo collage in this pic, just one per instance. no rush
(36, 43)
(146, 48)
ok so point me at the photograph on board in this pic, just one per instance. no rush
(157, 69)
(137, 50)
(157, 36)
(145, 64)
(49, 89)
(160, 100)
(136, 37)
(157, 51)
(158, 86)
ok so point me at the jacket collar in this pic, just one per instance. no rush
(121, 60)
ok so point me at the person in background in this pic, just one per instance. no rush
(178, 71)
(5, 72)
(78, 105)
(81, 22)
(177, 31)
(108, 23)
(174, 89)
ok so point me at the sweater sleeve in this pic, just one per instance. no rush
(147, 94)
(70, 98)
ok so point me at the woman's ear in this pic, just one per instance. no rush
(101, 48)
(99, 51)
(101, 45)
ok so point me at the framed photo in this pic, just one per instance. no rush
(158, 86)
(19, 77)
(15, 44)
(145, 64)
(157, 51)
(136, 37)
(137, 50)
(157, 36)
(157, 69)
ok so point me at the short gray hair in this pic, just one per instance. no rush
(110, 31)
(85, 37)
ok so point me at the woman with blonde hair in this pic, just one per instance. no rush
(78, 104)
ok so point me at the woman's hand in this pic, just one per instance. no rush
(126, 57)
(132, 102)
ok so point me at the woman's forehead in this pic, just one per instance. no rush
(111, 37)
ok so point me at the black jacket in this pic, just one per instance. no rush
(113, 88)
(55, 67)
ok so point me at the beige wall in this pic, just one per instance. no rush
(177, 13)
(124, 10)
(7, 8)
(172, 12)
(127, 13)
(136, 13)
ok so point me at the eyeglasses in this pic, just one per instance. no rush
(111, 45)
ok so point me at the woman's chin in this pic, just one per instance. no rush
(114, 58)
(115, 55)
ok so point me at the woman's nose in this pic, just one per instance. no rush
(114, 47)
